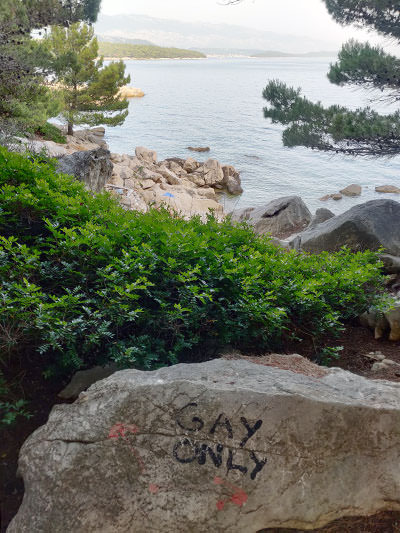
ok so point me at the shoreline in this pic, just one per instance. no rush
(154, 58)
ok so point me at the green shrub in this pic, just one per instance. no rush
(84, 282)
(49, 132)
(10, 409)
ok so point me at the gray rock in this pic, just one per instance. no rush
(386, 364)
(223, 446)
(391, 263)
(83, 379)
(93, 167)
(375, 356)
(371, 225)
(233, 186)
(280, 218)
(321, 215)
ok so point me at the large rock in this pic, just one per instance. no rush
(146, 155)
(233, 186)
(223, 446)
(321, 215)
(93, 167)
(391, 263)
(371, 225)
(280, 218)
(213, 173)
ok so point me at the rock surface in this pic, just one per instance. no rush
(388, 189)
(93, 167)
(335, 196)
(223, 446)
(280, 218)
(199, 149)
(140, 181)
(370, 225)
(321, 215)
(383, 322)
(83, 379)
(351, 190)
(391, 263)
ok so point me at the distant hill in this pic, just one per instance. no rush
(199, 35)
(271, 53)
(110, 39)
(142, 51)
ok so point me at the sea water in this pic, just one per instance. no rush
(218, 103)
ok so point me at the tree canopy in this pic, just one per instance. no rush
(336, 128)
(24, 100)
(89, 90)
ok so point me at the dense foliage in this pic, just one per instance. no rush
(88, 89)
(84, 281)
(141, 51)
(337, 129)
(25, 102)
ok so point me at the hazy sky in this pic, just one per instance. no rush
(299, 17)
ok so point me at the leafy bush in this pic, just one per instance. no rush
(10, 410)
(84, 281)
(49, 132)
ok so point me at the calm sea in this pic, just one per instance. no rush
(218, 103)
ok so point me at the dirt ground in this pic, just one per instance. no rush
(356, 342)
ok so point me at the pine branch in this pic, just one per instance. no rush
(367, 66)
(333, 129)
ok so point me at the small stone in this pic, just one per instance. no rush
(199, 149)
(378, 367)
(351, 190)
(391, 189)
(337, 196)
(390, 362)
(376, 356)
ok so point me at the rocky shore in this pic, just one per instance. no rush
(139, 180)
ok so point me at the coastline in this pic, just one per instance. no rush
(153, 58)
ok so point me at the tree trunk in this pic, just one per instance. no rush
(70, 128)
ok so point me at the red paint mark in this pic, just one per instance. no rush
(122, 431)
(153, 488)
(238, 496)
(220, 505)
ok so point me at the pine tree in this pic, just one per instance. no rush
(336, 128)
(89, 89)
(25, 102)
